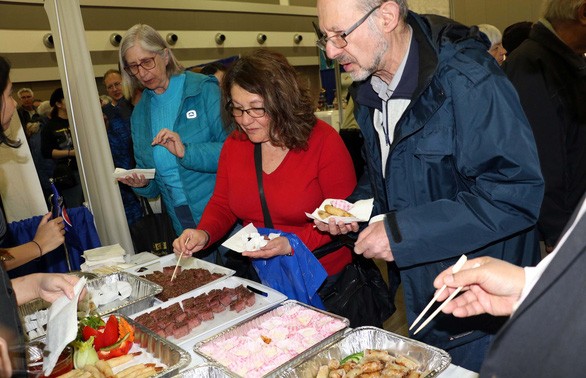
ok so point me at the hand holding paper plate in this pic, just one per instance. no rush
(248, 239)
(149, 174)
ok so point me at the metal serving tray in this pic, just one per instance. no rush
(224, 319)
(433, 360)
(185, 263)
(207, 370)
(246, 326)
(154, 350)
(173, 356)
(142, 296)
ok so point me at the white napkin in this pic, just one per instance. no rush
(62, 326)
(247, 239)
(149, 174)
(108, 252)
(360, 209)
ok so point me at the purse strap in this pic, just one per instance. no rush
(146, 206)
(263, 202)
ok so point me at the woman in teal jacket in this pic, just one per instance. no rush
(177, 127)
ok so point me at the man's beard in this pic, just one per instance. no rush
(365, 72)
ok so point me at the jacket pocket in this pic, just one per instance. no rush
(434, 154)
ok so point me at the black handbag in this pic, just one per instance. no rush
(154, 231)
(360, 292)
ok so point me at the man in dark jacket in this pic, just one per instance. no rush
(549, 72)
(450, 157)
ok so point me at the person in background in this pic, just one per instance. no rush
(177, 127)
(544, 336)
(548, 71)
(43, 166)
(303, 159)
(117, 116)
(50, 233)
(515, 34)
(27, 111)
(23, 289)
(215, 68)
(57, 144)
(451, 160)
(495, 37)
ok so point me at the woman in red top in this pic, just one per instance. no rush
(304, 161)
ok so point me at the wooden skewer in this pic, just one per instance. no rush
(178, 261)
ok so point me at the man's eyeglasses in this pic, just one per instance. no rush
(239, 112)
(147, 64)
(114, 85)
(339, 40)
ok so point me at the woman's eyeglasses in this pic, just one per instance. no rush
(239, 112)
(147, 64)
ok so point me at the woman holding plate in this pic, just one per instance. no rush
(302, 162)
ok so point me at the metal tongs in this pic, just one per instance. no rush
(455, 269)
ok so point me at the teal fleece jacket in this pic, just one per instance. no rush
(200, 126)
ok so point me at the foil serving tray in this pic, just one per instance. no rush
(249, 325)
(432, 360)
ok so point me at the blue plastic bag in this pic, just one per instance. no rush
(298, 276)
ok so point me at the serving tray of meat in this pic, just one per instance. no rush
(373, 350)
(192, 273)
(272, 341)
(209, 310)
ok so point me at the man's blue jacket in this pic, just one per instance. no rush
(462, 176)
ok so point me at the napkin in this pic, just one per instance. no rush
(103, 256)
(248, 239)
(149, 174)
(62, 327)
(360, 209)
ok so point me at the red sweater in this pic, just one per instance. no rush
(300, 184)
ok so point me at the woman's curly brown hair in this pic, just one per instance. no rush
(287, 100)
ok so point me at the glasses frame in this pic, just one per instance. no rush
(130, 68)
(323, 40)
(230, 108)
(117, 84)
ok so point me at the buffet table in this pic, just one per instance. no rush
(265, 307)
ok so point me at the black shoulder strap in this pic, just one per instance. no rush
(261, 192)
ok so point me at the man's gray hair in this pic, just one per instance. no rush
(150, 40)
(560, 10)
(22, 90)
(367, 5)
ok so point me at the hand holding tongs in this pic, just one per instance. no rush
(455, 269)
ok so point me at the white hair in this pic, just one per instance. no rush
(494, 35)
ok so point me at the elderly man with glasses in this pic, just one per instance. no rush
(450, 158)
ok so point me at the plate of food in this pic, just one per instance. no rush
(344, 211)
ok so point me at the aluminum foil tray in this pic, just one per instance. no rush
(141, 298)
(250, 328)
(433, 360)
(154, 350)
(174, 357)
(207, 370)
(38, 307)
(265, 298)
(185, 263)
